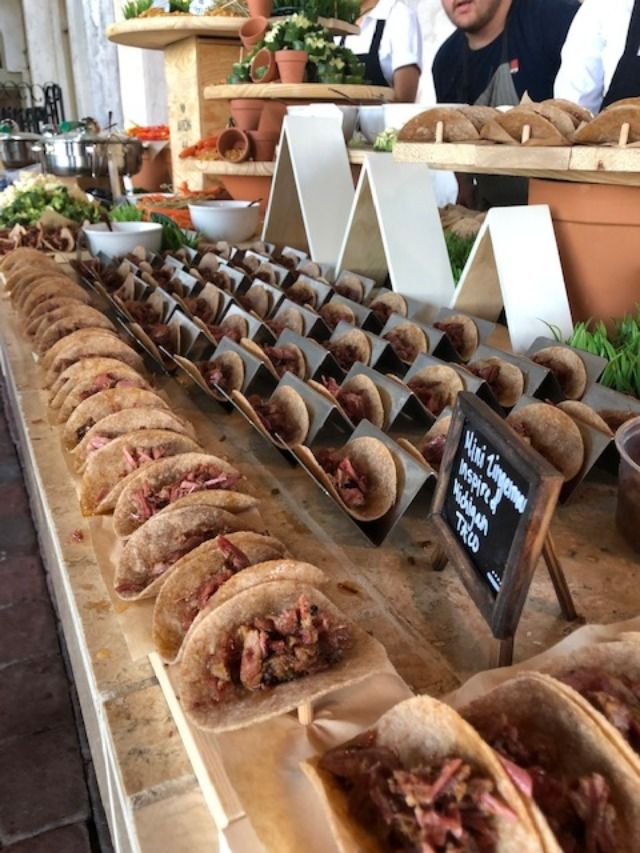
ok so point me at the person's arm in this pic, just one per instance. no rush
(581, 75)
(405, 83)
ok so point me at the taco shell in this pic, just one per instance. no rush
(108, 469)
(586, 415)
(542, 131)
(98, 406)
(43, 309)
(99, 345)
(151, 553)
(508, 384)
(446, 379)
(574, 383)
(337, 312)
(159, 475)
(242, 707)
(82, 317)
(553, 434)
(606, 127)
(469, 335)
(355, 339)
(85, 386)
(457, 127)
(290, 405)
(47, 288)
(422, 730)
(92, 366)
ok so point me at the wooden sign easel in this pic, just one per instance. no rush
(492, 508)
(394, 227)
(515, 264)
(312, 190)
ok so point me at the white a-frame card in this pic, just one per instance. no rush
(395, 228)
(312, 189)
(515, 264)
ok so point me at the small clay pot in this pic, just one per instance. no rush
(233, 145)
(260, 8)
(263, 144)
(291, 65)
(264, 59)
(246, 112)
(252, 31)
(271, 117)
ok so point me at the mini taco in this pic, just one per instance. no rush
(165, 481)
(302, 293)
(578, 790)
(455, 127)
(124, 422)
(513, 122)
(350, 286)
(433, 444)
(108, 469)
(586, 415)
(82, 317)
(309, 649)
(478, 115)
(92, 366)
(361, 476)
(46, 289)
(568, 368)
(604, 679)
(88, 384)
(553, 434)
(44, 309)
(615, 418)
(256, 299)
(25, 256)
(98, 406)
(436, 386)
(27, 281)
(286, 358)
(205, 305)
(506, 380)
(560, 119)
(237, 503)
(287, 318)
(607, 126)
(462, 333)
(150, 554)
(349, 347)
(198, 576)
(358, 398)
(337, 312)
(578, 113)
(283, 418)
(221, 375)
(408, 341)
(82, 345)
(422, 779)
(386, 304)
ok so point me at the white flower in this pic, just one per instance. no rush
(270, 36)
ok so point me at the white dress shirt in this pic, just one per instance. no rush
(401, 40)
(594, 46)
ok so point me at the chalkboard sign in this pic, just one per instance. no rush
(493, 503)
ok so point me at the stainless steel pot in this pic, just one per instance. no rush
(16, 149)
(67, 157)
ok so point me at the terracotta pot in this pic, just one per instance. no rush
(233, 145)
(248, 187)
(260, 8)
(598, 230)
(252, 31)
(263, 144)
(266, 59)
(272, 116)
(291, 65)
(246, 112)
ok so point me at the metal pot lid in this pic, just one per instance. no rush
(17, 136)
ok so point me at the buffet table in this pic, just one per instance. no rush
(166, 787)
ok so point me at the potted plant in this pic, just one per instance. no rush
(260, 8)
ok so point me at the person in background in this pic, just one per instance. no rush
(601, 56)
(390, 46)
(500, 50)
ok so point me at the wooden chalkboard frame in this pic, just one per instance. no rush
(502, 610)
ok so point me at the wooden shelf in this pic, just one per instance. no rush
(302, 92)
(582, 163)
(259, 169)
(159, 32)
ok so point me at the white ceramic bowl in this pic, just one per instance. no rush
(397, 115)
(349, 114)
(232, 221)
(371, 121)
(124, 237)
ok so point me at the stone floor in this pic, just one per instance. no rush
(48, 795)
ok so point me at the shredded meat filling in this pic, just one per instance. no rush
(104, 381)
(433, 396)
(283, 358)
(382, 311)
(404, 348)
(200, 308)
(433, 450)
(454, 332)
(145, 502)
(275, 648)
(135, 457)
(142, 312)
(222, 331)
(578, 809)
(441, 807)
(345, 354)
(215, 373)
(273, 418)
(350, 483)
(489, 373)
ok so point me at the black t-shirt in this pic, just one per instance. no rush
(536, 31)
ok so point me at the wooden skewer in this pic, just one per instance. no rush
(305, 714)
(439, 131)
(526, 133)
(624, 134)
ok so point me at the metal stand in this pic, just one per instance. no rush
(558, 580)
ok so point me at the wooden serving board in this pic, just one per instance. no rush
(161, 31)
(301, 92)
(583, 163)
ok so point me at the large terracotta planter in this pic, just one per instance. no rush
(598, 232)
(291, 65)
(271, 117)
(248, 187)
(263, 145)
(264, 59)
(246, 112)
(260, 8)
(252, 31)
